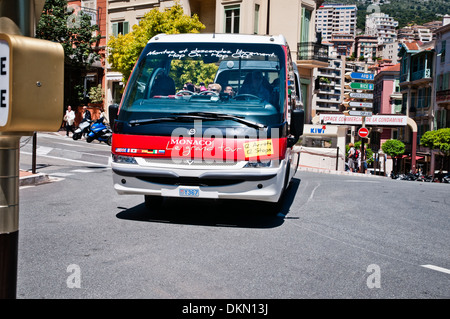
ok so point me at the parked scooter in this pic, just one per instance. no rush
(99, 131)
(83, 128)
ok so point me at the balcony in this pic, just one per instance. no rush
(421, 74)
(424, 74)
(443, 96)
(312, 55)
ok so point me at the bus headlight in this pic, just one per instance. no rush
(123, 159)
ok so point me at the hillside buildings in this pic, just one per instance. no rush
(383, 26)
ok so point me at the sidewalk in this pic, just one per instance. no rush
(27, 178)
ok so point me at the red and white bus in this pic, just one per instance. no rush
(232, 139)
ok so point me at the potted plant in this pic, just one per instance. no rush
(96, 96)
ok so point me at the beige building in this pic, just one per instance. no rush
(234, 16)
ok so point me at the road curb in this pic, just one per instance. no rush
(27, 179)
(333, 172)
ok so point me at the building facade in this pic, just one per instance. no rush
(382, 26)
(336, 19)
(366, 46)
(417, 88)
(442, 112)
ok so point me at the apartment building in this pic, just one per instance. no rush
(388, 51)
(383, 26)
(417, 88)
(342, 44)
(329, 86)
(334, 19)
(442, 111)
(366, 46)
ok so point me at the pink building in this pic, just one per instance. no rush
(387, 98)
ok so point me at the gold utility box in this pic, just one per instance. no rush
(31, 84)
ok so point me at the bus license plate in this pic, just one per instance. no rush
(188, 192)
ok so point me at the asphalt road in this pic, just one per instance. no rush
(338, 236)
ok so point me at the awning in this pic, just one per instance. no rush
(114, 77)
(409, 157)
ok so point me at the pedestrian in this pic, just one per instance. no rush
(103, 116)
(86, 114)
(351, 157)
(364, 160)
(86, 117)
(69, 118)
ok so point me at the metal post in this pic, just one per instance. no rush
(363, 156)
(337, 158)
(21, 17)
(9, 214)
(33, 161)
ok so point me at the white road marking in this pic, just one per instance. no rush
(70, 160)
(444, 270)
(83, 171)
(312, 193)
(60, 174)
(43, 150)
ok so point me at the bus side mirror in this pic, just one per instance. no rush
(296, 127)
(113, 111)
(297, 122)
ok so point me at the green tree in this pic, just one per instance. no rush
(74, 31)
(438, 140)
(124, 50)
(393, 148)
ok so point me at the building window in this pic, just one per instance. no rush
(120, 28)
(256, 23)
(444, 44)
(232, 15)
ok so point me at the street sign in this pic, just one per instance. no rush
(363, 132)
(359, 113)
(361, 86)
(360, 104)
(360, 76)
(361, 95)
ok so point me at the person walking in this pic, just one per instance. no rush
(69, 118)
(351, 157)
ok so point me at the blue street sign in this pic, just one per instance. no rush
(362, 76)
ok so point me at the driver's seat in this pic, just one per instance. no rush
(164, 85)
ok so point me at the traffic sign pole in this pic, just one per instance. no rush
(19, 15)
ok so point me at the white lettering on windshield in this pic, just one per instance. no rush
(221, 53)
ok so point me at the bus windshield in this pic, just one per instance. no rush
(238, 79)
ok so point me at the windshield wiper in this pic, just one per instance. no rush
(210, 116)
(221, 116)
(163, 119)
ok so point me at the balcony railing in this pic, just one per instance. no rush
(421, 74)
(443, 96)
(312, 51)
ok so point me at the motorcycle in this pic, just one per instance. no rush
(83, 128)
(99, 131)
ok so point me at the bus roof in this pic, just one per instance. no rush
(219, 38)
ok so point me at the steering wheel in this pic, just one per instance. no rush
(184, 92)
(246, 97)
